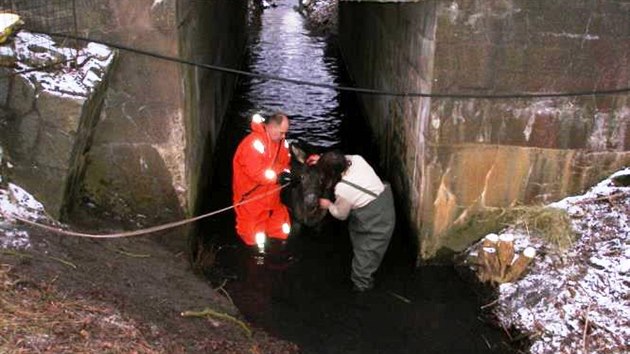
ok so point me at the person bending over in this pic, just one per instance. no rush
(367, 203)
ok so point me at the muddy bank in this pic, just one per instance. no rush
(139, 281)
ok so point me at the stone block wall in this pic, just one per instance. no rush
(455, 157)
(150, 155)
(160, 118)
(48, 116)
(135, 169)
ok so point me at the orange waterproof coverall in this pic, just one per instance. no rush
(255, 159)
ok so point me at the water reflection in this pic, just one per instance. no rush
(283, 47)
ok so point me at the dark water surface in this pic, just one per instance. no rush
(308, 301)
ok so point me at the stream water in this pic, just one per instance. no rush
(308, 301)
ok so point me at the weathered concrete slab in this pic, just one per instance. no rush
(22, 95)
(63, 114)
(145, 170)
(27, 132)
(171, 109)
(49, 116)
(449, 158)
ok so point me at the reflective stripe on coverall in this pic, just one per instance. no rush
(257, 163)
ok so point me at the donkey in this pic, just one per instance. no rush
(302, 196)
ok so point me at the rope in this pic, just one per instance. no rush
(335, 87)
(141, 231)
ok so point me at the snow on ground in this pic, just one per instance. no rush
(80, 79)
(16, 201)
(577, 301)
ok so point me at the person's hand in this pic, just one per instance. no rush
(324, 203)
(285, 177)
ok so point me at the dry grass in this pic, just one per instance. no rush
(36, 318)
(553, 225)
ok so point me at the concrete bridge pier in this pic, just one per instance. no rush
(449, 159)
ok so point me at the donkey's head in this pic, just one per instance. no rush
(302, 197)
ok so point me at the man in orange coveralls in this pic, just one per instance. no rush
(261, 163)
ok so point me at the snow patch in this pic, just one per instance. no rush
(577, 299)
(77, 72)
(16, 201)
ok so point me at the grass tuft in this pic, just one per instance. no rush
(551, 224)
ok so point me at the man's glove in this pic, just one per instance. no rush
(285, 178)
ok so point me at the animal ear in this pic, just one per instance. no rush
(298, 153)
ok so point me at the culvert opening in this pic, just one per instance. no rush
(308, 300)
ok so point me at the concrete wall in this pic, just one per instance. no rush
(159, 117)
(220, 41)
(149, 157)
(456, 157)
(396, 61)
(48, 116)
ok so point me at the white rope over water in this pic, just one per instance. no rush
(141, 231)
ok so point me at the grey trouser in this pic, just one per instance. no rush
(371, 228)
